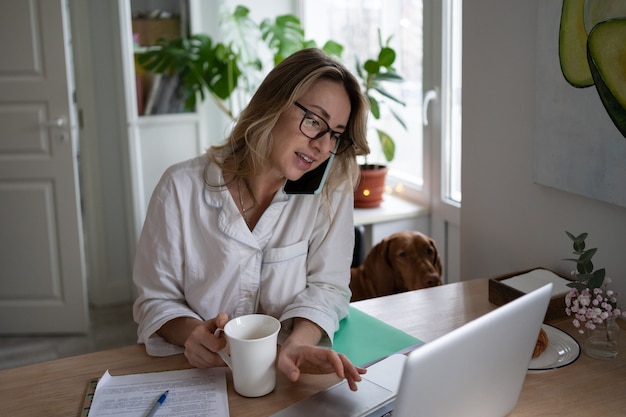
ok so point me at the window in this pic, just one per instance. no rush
(355, 24)
(452, 89)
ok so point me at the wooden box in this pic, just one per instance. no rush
(505, 288)
(150, 30)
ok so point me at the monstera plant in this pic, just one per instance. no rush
(230, 71)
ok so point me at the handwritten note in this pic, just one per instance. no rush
(192, 392)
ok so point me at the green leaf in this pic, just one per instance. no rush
(588, 254)
(284, 36)
(241, 12)
(387, 94)
(359, 69)
(390, 76)
(374, 107)
(310, 44)
(581, 237)
(583, 277)
(201, 65)
(371, 66)
(576, 285)
(333, 48)
(386, 57)
(242, 35)
(578, 241)
(387, 145)
(398, 118)
(597, 278)
(222, 72)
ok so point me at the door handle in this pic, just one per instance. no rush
(58, 122)
(430, 95)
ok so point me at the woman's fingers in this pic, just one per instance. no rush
(202, 345)
(294, 360)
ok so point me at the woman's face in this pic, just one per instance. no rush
(293, 153)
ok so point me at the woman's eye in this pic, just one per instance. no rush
(311, 122)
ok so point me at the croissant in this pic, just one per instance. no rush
(542, 343)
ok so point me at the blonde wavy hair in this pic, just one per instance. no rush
(246, 150)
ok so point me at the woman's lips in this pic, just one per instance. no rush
(304, 161)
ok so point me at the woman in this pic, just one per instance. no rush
(221, 239)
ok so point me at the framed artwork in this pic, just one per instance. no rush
(580, 137)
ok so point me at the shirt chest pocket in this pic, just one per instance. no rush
(283, 276)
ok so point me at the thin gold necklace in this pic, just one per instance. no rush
(243, 209)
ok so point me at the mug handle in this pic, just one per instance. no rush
(222, 352)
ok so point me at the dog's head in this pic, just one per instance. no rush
(405, 261)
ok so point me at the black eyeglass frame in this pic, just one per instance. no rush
(343, 143)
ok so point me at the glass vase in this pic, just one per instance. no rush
(603, 341)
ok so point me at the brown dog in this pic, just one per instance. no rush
(401, 262)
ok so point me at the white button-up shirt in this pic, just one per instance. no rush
(196, 256)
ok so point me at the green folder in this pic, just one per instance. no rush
(366, 340)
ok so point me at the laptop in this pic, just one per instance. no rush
(475, 370)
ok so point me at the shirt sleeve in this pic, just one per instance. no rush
(326, 298)
(158, 267)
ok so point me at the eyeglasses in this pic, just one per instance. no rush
(314, 127)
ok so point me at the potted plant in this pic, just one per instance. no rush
(375, 74)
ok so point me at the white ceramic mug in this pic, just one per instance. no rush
(252, 342)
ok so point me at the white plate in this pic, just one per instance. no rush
(562, 350)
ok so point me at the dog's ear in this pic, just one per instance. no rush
(399, 252)
(378, 268)
(436, 258)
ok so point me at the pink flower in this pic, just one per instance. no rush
(591, 306)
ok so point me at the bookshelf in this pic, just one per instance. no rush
(150, 21)
(159, 131)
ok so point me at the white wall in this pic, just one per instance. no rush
(509, 222)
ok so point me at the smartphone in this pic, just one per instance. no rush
(311, 182)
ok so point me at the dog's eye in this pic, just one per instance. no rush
(430, 251)
(402, 254)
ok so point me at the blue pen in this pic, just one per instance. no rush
(157, 404)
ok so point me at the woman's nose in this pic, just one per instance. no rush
(324, 144)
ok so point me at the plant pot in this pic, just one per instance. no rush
(369, 192)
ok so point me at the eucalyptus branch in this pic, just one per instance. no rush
(586, 277)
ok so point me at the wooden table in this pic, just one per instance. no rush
(588, 387)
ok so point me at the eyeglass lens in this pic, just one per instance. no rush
(314, 127)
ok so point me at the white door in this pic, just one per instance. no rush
(42, 271)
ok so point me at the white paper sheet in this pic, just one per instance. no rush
(192, 392)
(537, 278)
